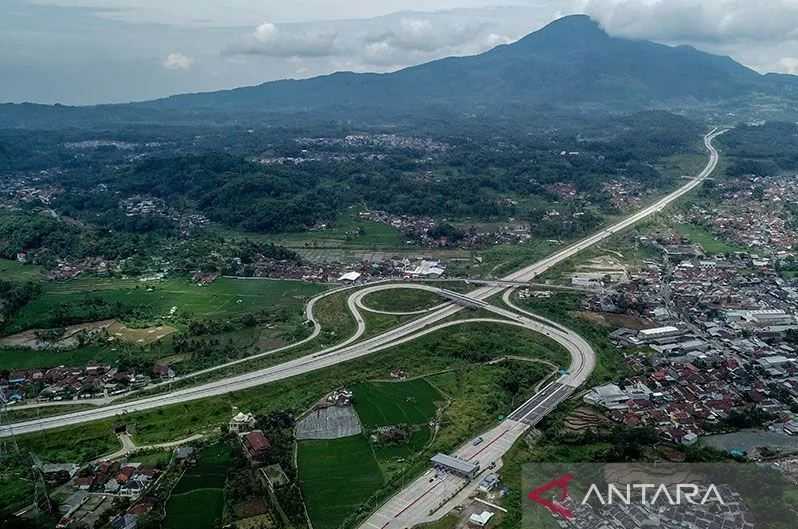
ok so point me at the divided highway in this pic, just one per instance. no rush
(436, 493)
(413, 505)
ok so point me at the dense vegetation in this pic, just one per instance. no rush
(762, 150)
(483, 172)
(14, 296)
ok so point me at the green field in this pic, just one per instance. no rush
(142, 305)
(711, 244)
(14, 271)
(349, 232)
(197, 501)
(337, 476)
(19, 358)
(499, 260)
(391, 403)
(402, 300)
(417, 441)
(687, 164)
(91, 299)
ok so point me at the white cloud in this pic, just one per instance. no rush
(789, 65)
(271, 40)
(380, 44)
(178, 61)
(712, 21)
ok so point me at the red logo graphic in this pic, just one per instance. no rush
(553, 506)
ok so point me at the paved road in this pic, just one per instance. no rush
(435, 494)
(409, 331)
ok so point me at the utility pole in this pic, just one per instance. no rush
(41, 499)
(8, 444)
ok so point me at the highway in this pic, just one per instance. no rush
(398, 511)
(435, 493)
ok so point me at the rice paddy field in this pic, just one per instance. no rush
(392, 403)
(337, 476)
(197, 501)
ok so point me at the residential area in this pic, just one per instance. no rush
(713, 347)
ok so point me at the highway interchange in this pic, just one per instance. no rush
(433, 494)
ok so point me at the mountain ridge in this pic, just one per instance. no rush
(571, 63)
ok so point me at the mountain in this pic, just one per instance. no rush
(571, 61)
(570, 64)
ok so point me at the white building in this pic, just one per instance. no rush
(428, 269)
(612, 397)
(481, 520)
(242, 422)
(350, 277)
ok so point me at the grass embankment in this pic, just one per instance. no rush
(563, 308)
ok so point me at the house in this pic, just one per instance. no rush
(125, 474)
(242, 422)
(163, 371)
(183, 453)
(350, 277)
(84, 483)
(256, 446)
(428, 269)
(111, 486)
(125, 521)
(59, 473)
(791, 428)
(609, 396)
(588, 279)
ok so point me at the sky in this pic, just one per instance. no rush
(100, 51)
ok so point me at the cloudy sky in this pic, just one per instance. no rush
(74, 52)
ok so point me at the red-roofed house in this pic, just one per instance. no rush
(256, 446)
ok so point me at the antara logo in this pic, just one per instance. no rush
(648, 494)
(555, 507)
